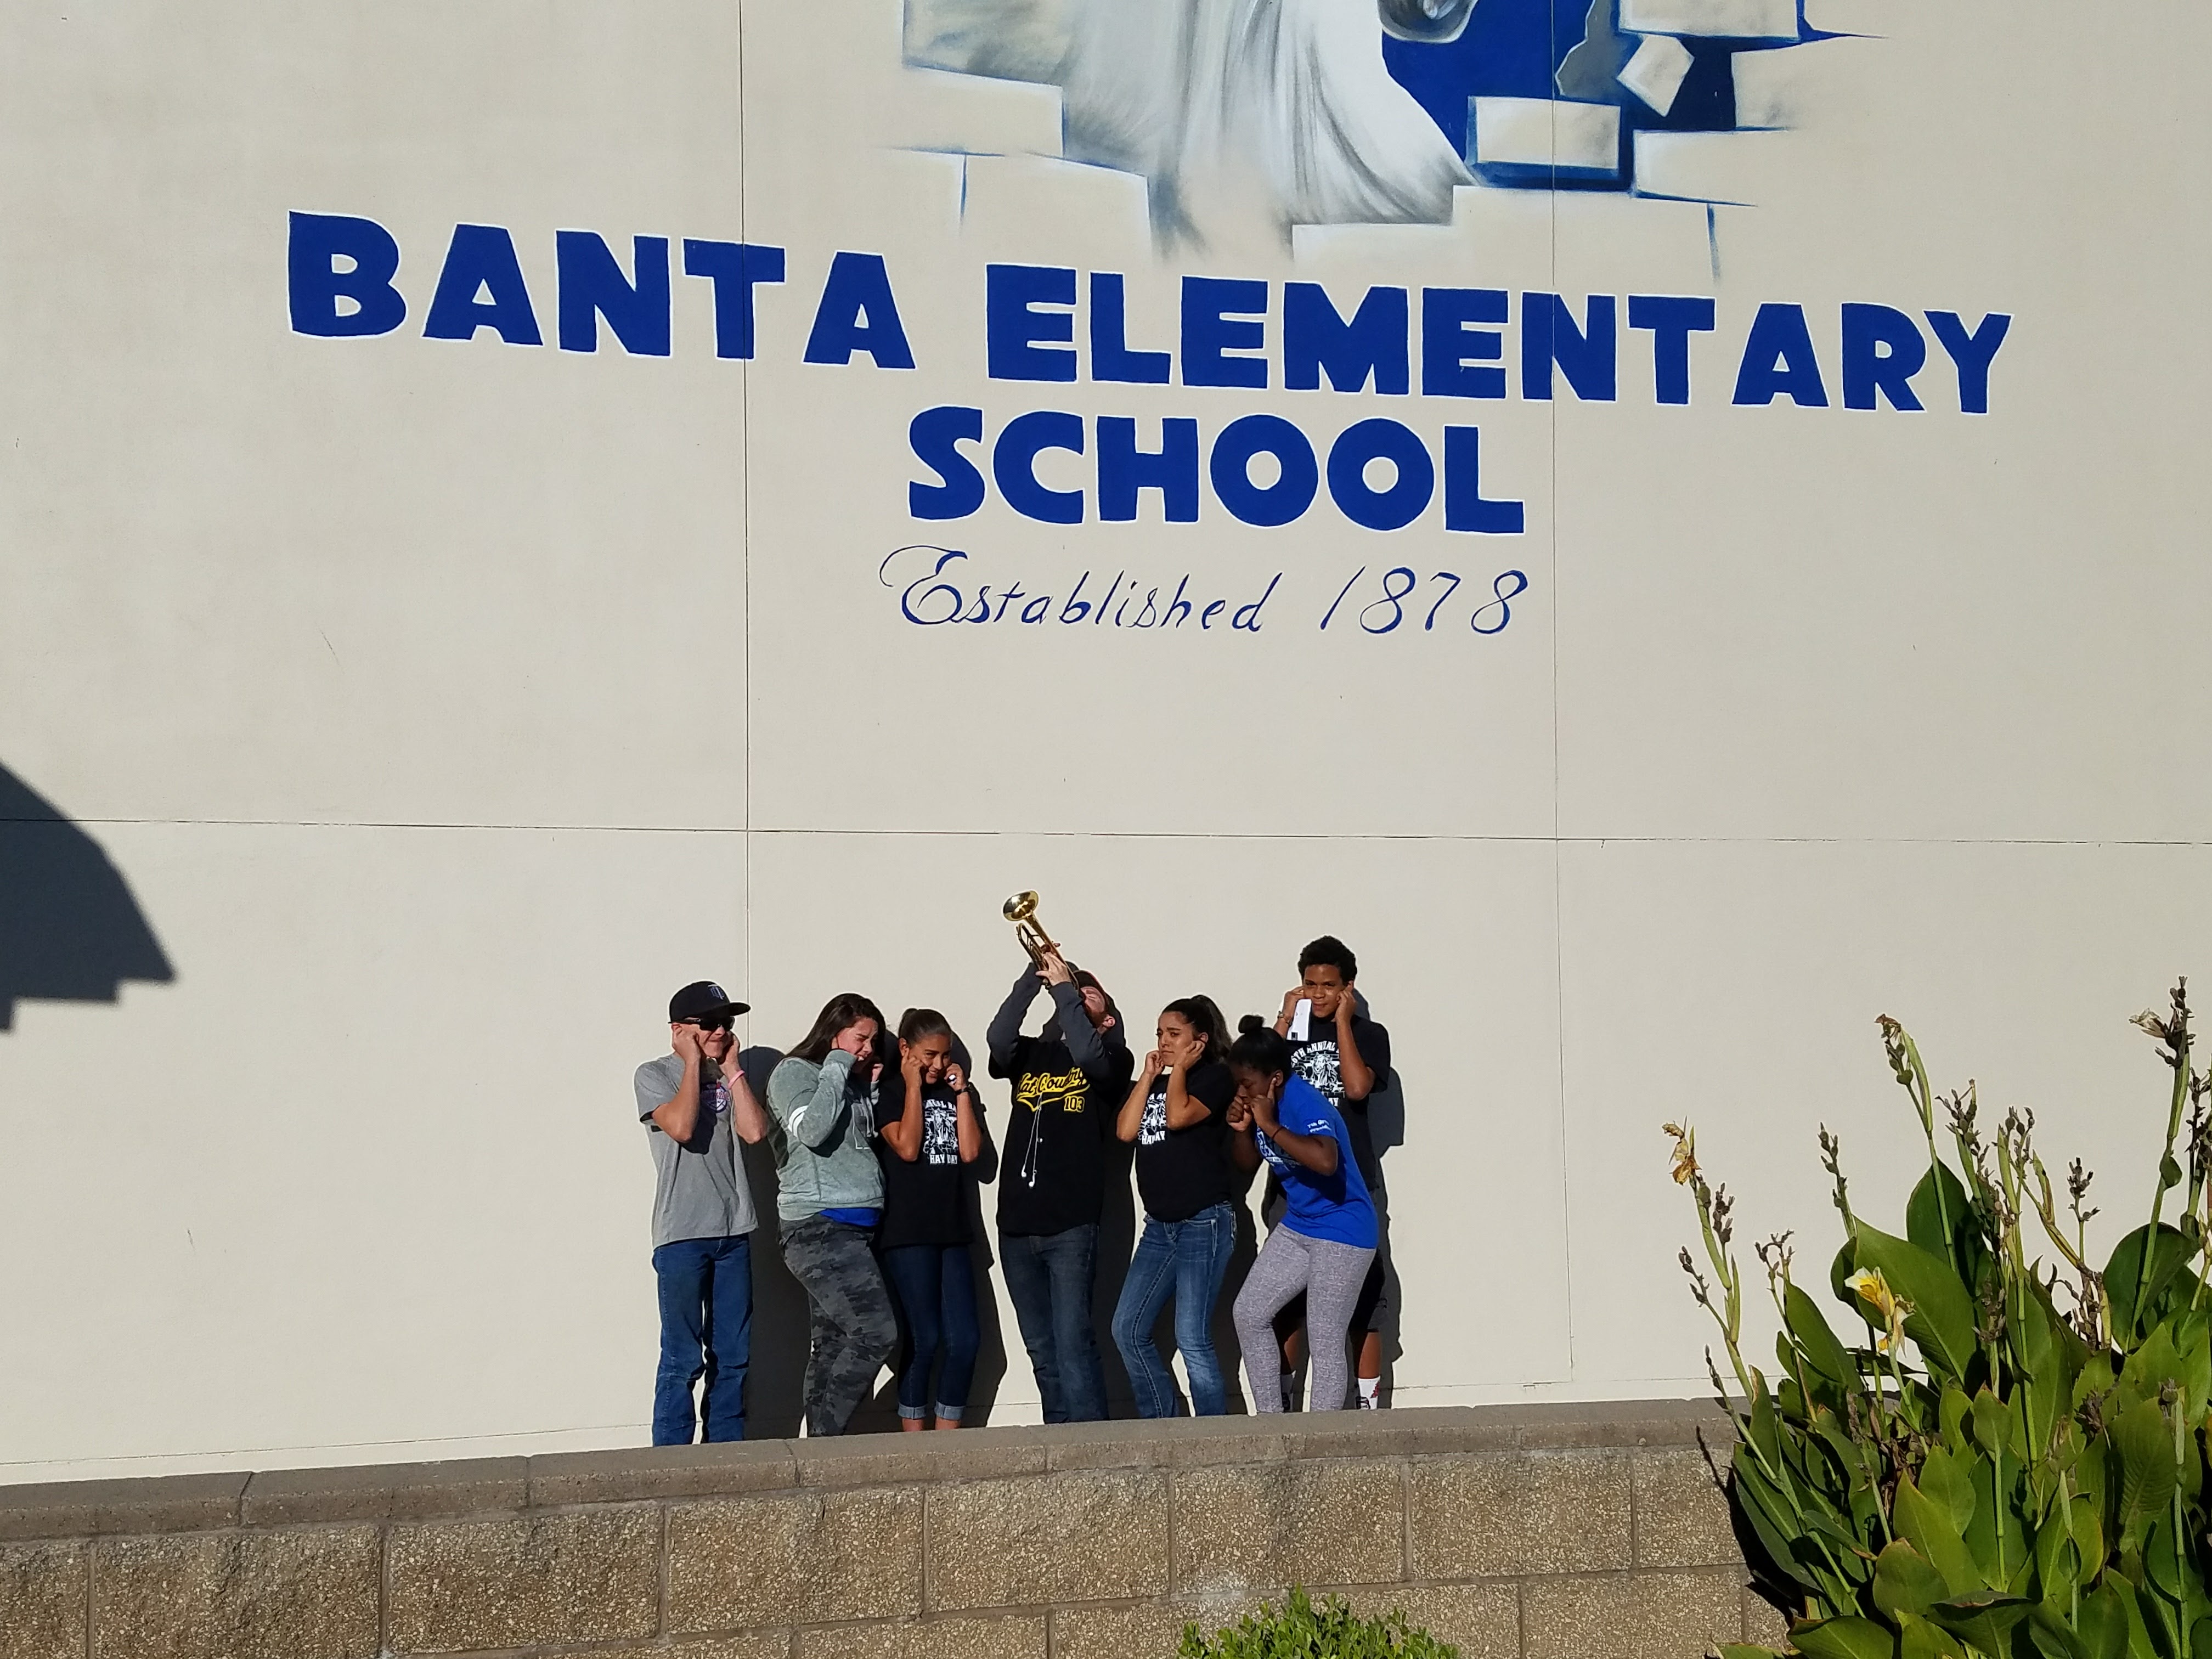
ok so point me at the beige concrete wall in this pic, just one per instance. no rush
(1544, 1533)
(445, 705)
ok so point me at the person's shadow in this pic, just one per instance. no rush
(1228, 1351)
(775, 1382)
(1117, 1242)
(1374, 1132)
(1385, 1128)
(991, 1356)
(70, 929)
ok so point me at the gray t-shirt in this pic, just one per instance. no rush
(699, 1189)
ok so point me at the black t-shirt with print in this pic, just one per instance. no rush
(925, 1202)
(1316, 1061)
(1052, 1170)
(1182, 1171)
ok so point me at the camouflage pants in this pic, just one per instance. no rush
(855, 1328)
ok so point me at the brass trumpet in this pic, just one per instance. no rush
(1021, 910)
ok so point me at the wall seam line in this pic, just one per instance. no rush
(1635, 1514)
(1559, 904)
(662, 1622)
(745, 554)
(927, 1600)
(1405, 1520)
(1504, 838)
(1172, 1502)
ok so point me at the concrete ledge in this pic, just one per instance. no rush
(508, 1485)
(388, 1492)
(648, 1472)
(91, 1508)
(1519, 1532)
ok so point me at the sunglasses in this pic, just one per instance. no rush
(719, 1023)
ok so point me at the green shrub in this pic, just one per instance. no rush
(1299, 1630)
(2013, 1463)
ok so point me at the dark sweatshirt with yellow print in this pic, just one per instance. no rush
(1069, 1081)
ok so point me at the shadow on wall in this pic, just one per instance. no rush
(70, 930)
(1384, 1123)
(775, 1384)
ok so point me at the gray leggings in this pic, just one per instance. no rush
(1330, 1276)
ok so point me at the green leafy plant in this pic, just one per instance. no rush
(2012, 1466)
(1299, 1630)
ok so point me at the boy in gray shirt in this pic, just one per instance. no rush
(696, 1107)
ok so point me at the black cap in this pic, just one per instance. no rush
(703, 1000)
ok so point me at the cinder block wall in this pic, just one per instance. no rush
(1515, 1532)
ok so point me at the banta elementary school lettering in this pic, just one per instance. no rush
(1238, 333)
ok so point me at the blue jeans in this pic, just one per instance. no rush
(1049, 1281)
(1185, 1260)
(935, 1289)
(706, 1330)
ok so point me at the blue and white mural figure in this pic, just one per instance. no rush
(1243, 114)
(1275, 112)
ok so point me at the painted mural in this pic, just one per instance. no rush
(1363, 112)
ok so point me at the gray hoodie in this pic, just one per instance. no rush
(824, 1158)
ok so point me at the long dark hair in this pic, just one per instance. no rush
(1260, 1048)
(846, 1008)
(1203, 1016)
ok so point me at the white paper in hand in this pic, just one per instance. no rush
(1301, 1019)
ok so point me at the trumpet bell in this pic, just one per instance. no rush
(1020, 907)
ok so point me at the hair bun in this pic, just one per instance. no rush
(1249, 1024)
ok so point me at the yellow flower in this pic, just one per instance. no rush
(1872, 1288)
(1685, 1154)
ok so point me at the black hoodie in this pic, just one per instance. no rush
(1069, 1082)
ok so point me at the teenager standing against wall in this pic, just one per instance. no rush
(1326, 1240)
(928, 1138)
(1069, 1080)
(830, 1197)
(1177, 1114)
(1346, 1056)
(696, 1107)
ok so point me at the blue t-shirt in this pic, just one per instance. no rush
(1335, 1207)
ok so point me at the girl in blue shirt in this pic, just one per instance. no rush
(1326, 1239)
